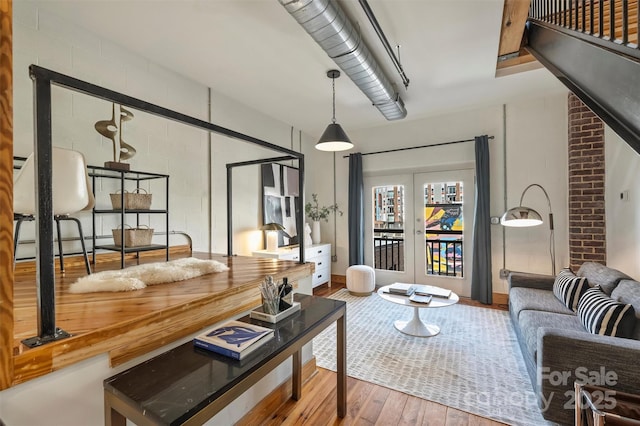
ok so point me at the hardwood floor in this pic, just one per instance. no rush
(367, 403)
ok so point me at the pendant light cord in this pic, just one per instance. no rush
(333, 81)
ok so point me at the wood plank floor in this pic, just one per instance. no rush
(367, 403)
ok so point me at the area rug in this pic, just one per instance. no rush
(140, 276)
(473, 365)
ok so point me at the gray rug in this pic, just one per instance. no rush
(473, 365)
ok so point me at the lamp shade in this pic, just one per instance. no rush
(334, 139)
(521, 217)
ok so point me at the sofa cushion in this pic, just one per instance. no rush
(531, 321)
(522, 298)
(604, 316)
(597, 274)
(568, 288)
(628, 291)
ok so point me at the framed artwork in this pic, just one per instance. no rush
(281, 200)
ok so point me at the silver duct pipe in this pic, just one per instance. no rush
(327, 23)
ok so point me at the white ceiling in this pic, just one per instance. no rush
(255, 52)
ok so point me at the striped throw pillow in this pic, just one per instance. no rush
(568, 288)
(602, 315)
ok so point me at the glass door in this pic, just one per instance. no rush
(444, 206)
(389, 227)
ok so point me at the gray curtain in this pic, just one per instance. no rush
(481, 288)
(356, 210)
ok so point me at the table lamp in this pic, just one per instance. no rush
(271, 230)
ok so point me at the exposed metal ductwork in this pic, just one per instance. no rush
(327, 23)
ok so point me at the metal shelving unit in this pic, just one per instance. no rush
(124, 176)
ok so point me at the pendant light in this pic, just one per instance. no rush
(334, 138)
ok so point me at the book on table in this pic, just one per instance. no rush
(234, 339)
(402, 289)
(430, 290)
(415, 297)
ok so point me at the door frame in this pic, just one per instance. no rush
(370, 177)
(460, 285)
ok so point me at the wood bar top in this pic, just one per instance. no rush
(130, 324)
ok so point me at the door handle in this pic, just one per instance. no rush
(418, 232)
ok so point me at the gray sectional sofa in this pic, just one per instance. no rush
(557, 348)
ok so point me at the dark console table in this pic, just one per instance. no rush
(188, 385)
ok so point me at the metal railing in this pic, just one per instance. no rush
(610, 23)
(444, 257)
(388, 251)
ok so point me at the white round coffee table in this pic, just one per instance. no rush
(415, 326)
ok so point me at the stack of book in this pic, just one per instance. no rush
(234, 339)
(402, 289)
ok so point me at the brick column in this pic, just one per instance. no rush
(586, 185)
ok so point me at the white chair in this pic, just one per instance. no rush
(361, 280)
(71, 194)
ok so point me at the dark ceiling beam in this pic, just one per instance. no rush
(607, 82)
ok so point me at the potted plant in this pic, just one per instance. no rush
(316, 214)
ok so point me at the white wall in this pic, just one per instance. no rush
(622, 204)
(536, 153)
(162, 146)
(247, 202)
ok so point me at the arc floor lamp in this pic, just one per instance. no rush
(522, 216)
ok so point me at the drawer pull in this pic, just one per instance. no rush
(319, 251)
(320, 276)
(319, 263)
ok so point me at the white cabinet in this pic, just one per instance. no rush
(320, 254)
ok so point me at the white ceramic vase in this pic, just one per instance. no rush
(307, 235)
(315, 232)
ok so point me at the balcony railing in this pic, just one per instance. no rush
(443, 257)
(388, 249)
(609, 23)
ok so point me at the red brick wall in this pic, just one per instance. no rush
(586, 185)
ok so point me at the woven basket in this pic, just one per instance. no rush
(133, 237)
(134, 200)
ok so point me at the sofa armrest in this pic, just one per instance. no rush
(567, 356)
(525, 279)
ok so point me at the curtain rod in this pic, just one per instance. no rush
(416, 147)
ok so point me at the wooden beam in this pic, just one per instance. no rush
(6, 193)
(514, 17)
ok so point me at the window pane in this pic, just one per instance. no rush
(443, 227)
(388, 227)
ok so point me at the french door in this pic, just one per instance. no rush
(418, 228)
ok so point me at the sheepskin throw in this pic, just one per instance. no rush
(140, 276)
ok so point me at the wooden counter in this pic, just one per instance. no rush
(130, 324)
